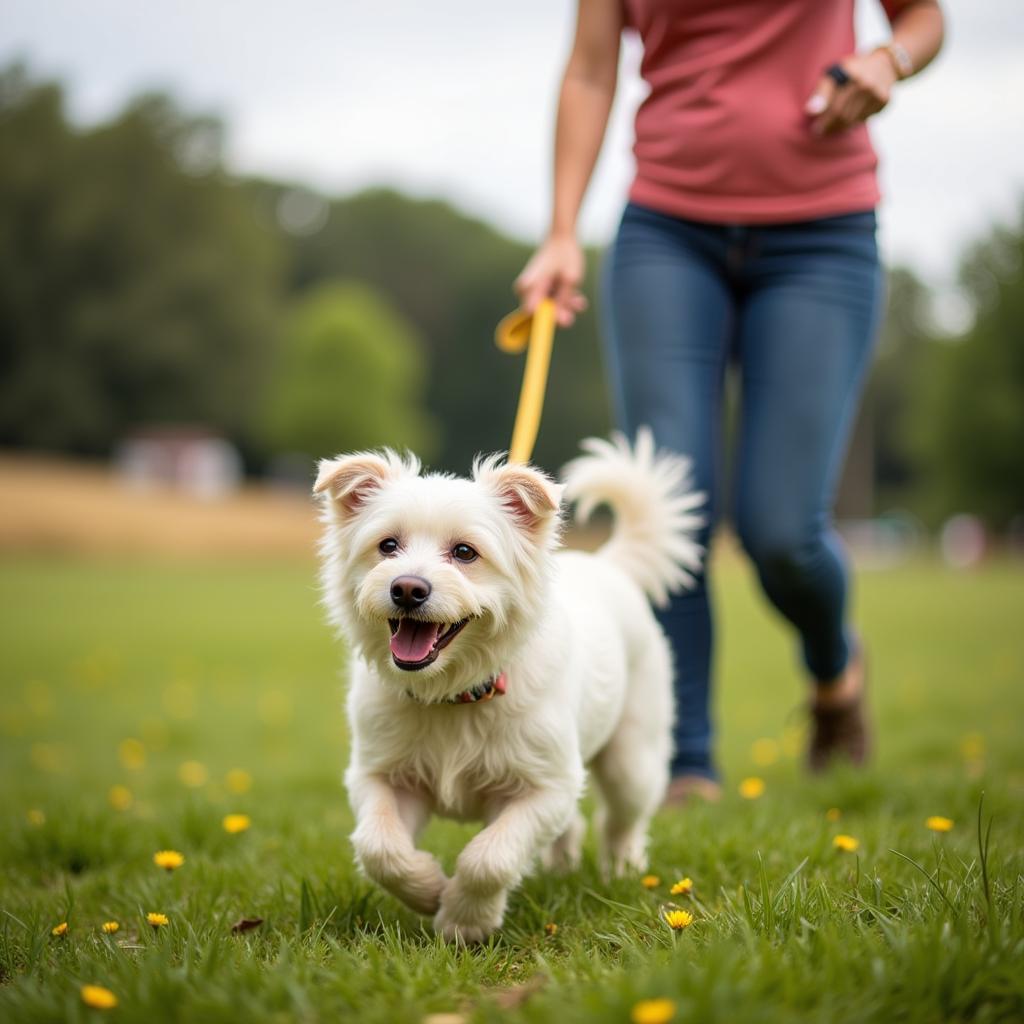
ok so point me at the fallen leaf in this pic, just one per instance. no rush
(515, 995)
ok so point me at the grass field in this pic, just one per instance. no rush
(141, 703)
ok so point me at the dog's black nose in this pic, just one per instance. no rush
(409, 592)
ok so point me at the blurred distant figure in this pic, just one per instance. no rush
(749, 237)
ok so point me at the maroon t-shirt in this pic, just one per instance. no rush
(722, 136)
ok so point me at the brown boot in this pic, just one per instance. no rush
(841, 730)
(685, 789)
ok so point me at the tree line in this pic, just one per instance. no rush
(142, 283)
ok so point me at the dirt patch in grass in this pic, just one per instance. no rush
(62, 506)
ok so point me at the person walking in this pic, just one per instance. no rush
(748, 238)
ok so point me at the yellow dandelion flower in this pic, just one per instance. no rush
(168, 859)
(60, 930)
(845, 843)
(235, 823)
(752, 788)
(683, 887)
(49, 757)
(939, 824)
(275, 707)
(764, 751)
(653, 1011)
(109, 927)
(238, 781)
(132, 754)
(972, 746)
(678, 919)
(119, 797)
(36, 818)
(193, 774)
(794, 737)
(551, 928)
(156, 920)
(833, 814)
(650, 881)
(98, 997)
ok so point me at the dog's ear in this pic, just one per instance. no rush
(530, 496)
(350, 480)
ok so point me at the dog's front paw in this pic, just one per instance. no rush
(421, 889)
(413, 877)
(467, 919)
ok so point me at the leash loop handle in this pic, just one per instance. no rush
(535, 333)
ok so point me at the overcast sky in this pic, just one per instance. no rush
(456, 99)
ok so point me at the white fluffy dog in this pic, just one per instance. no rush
(491, 671)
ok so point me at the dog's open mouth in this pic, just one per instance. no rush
(416, 643)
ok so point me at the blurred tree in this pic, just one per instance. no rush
(968, 424)
(903, 353)
(136, 286)
(351, 374)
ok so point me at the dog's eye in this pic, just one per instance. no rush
(388, 546)
(464, 553)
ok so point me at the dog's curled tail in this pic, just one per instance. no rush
(656, 514)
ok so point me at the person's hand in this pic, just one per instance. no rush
(555, 270)
(838, 107)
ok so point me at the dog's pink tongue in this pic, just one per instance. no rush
(414, 640)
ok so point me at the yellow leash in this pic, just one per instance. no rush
(536, 333)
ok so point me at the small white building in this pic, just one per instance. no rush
(192, 460)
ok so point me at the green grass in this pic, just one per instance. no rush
(232, 667)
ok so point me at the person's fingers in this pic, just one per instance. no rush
(538, 290)
(835, 118)
(555, 271)
(565, 315)
(834, 95)
(817, 103)
(526, 279)
(852, 108)
(565, 304)
(855, 109)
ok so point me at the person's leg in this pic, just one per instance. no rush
(807, 326)
(668, 320)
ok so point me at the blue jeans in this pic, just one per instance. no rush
(795, 307)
